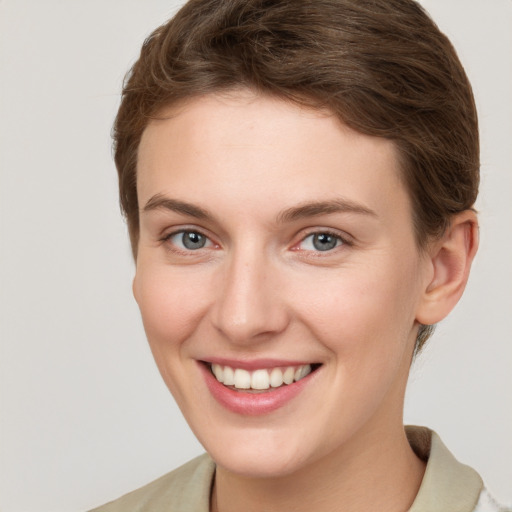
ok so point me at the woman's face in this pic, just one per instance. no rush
(275, 240)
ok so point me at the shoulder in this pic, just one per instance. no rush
(186, 489)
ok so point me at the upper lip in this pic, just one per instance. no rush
(255, 364)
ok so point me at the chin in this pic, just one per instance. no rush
(262, 465)
(266, 455)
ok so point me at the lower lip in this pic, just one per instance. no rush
(252, 404)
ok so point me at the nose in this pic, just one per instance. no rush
(249, 305)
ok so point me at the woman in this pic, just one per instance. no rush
(299, 180)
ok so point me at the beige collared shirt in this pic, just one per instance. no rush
(447, 486)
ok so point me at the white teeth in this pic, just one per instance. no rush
(229, 376)
(218, 372)
(276, 378)
(302, 372)
(242, 379)
(260, 379)
(288, 375)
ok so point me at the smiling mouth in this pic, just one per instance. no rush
(260, 380)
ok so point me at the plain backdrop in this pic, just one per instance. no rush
(84, 416)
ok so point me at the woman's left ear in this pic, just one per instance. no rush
(450, 260)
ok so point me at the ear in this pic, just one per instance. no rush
(135, 289)
(449, 261)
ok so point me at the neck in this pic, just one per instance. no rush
(379, 472)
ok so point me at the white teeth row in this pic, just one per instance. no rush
(259, 379)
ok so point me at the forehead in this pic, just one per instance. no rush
(248, 144)
(236, 116)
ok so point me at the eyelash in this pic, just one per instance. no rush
(340, 241)
(167, 239)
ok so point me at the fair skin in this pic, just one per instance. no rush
(274, 236)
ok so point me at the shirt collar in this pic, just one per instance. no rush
(447, 484)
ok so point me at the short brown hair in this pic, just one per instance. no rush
(382, 66)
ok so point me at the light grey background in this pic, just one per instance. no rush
(84, 415)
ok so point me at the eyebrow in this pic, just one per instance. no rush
(159, 201)
(302, 211)
(317, 208)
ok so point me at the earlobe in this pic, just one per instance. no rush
(134, 288)
(450, 259)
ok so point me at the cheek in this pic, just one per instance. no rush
(171, 306)
(366, 323)
(363, 311)
(169, 302)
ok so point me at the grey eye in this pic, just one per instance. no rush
(193, 240)
(321, 242)
(324, 242)
(190, 240)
